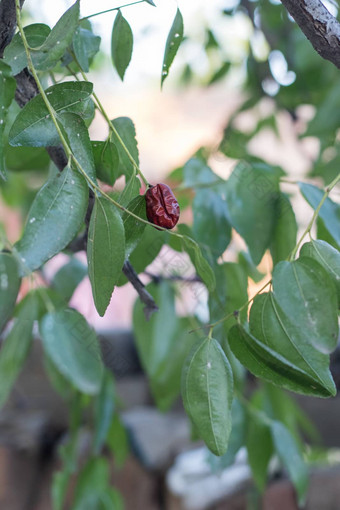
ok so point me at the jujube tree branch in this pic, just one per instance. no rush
(319, 26)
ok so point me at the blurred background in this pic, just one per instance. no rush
(245, 84)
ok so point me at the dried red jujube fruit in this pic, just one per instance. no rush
(162, 208)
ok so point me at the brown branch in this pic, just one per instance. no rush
(173, 278)
(8, 23)
(319, 26)
(146, 298)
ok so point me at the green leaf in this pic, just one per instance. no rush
(7, 91)
(211, 226)
(68, 277)
(73, 347)
(155, 338)
(230, 293)
(127, 134)
(146, 251)
(291, 458)
(150, 2)
(285, 230)
(118, 441)
(121, 44)
(59, 383)
(264, 362)
(236, 439)
(166, 381)
(305, 293)
(173, 42)
(33, 125)
(15, 53)
(94, 478)
(58, 40)
(106, 160)
(9, 286)
(22, 159)
(271, 326)
(15, 348)
(196, 173)
(259, 448)
(251, 194)
(103, 412)
(207, 390)
(105, 251)
(329, 212)
(249, 267)
(79, 141)
(85, 46)
(131, 190)
(327, 256)
(323, 233)
(133, 228)
(163, 343)
(287, 410)
(202, 267)
(55, 217)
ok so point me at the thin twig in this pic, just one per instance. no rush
(145, 296)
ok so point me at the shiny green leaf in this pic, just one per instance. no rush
(327, 256)
(58, 40)
(79, 142)
(105, 251)
(55, 217)
(85, 46)
(202, 267)
(305, 293)
(121, 44)
(106, 160)
(264, 362)
(126, 134)
(15, 53)
(133, 228)
(285, 230)
(33, 125)
(271, 326)
(207, 390)
(131, 189)
(173, 42)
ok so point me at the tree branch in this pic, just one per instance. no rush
(8, 23)
(319, 26)
(146, 298)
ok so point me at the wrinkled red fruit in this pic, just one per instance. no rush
(162, 208)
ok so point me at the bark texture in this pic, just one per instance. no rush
(319, 26)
